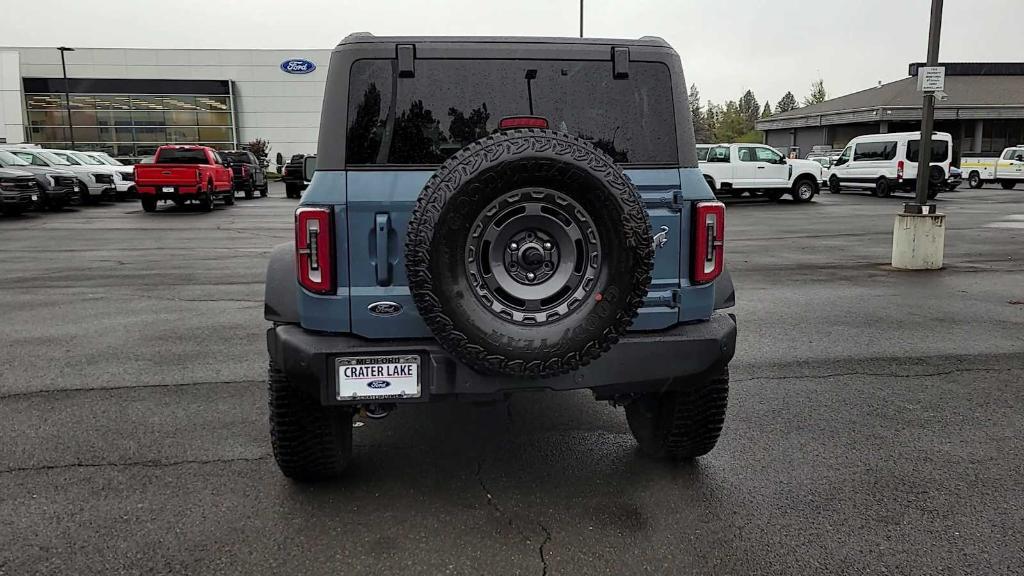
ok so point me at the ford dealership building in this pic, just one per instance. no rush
(129, 101)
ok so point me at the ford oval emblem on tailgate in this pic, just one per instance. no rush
(378, 384)
(385, 308)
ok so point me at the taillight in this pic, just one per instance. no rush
(314, 248)
(510, 122)
(899, 170)
(708, 241)
(245, 171)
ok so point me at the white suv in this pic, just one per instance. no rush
(886, 163)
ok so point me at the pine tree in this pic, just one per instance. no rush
(749, 109)
(767, 112)
(787, 103)
(701, 129)
(818, 93)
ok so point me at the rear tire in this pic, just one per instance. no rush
(148, 204)
(680, 424)
(310, 441)
(229, 198)
(291, 190)
(882, 188)
(250, 190)
(1007, 185)
(974, 181)
(206, 201)
(265, 189)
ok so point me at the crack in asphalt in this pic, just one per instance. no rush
(136, 464)
(540, 550)
(875, 374)
(115, 388)
(493, 504)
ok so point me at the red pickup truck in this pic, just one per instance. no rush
(183, 173)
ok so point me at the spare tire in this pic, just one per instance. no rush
(936, 177)
(528, 253)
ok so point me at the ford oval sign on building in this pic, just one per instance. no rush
(298, 66)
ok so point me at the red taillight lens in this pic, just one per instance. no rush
(314, 248)
(708, 241)
(899, 170)
(511, 122)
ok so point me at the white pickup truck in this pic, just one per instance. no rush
(1007, 169)
(756, 168)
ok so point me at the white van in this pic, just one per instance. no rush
(887, 163)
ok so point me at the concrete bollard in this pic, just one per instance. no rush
(918, 241)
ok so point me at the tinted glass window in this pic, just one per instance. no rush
(702, 154)
(1010, 153)
(844, 157)
(181, 156)
(869, 151)
(747, 154)
(239, 157)
(940, 150)
(7, 160)
(767, 155)
(718, 154)
(450, 103)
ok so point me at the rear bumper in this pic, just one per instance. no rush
(158, 191)
(640, 362)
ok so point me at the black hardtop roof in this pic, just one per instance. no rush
(366, 37)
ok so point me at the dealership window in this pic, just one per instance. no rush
(127, 126)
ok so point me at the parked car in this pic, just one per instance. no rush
(182, 174)
(955, 178)
(826, 166)
(511, 255)
(292, 176)
(885, 163)
(1007, 169)
(57, 188)
(125, 187)
(81, 159)
(93, 184)
(249, 174)
(737, 168)
(18, 191)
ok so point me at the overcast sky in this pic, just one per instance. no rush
(727, 46)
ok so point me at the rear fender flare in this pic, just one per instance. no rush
(281, 291)
(725, 293)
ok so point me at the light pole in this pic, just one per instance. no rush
(581, 18)
(919, 233)
(928, 106)
(67, 95)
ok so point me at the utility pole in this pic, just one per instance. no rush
(928, 106)
(581, 18)
(919, 233)
(67, 95)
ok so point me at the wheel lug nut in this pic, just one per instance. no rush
(530, 276)
(513, 246)
(547, 245)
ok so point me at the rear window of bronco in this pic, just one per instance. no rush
(424, 119)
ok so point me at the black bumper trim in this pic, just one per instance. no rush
(640, 362)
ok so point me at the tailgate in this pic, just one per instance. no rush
(379, 207)
(166, 174)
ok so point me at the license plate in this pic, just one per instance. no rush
(378, 377)
(168, 188)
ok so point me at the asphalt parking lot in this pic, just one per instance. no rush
(874, 423)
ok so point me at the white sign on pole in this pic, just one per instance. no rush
(931, 78)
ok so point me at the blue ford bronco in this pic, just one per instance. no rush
(494, 215)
